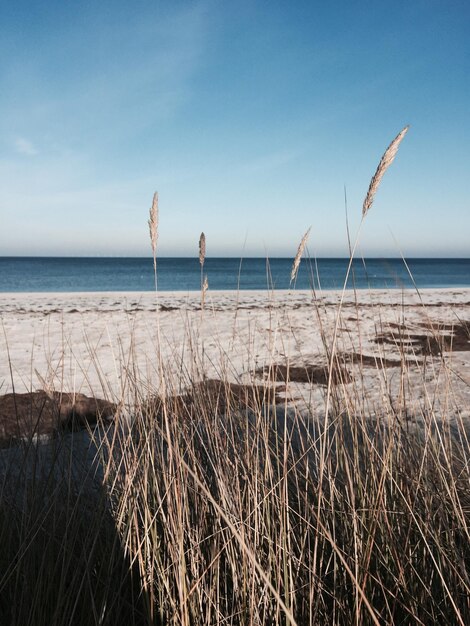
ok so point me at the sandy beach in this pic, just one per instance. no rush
(390, 343)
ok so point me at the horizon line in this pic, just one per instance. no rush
(149, 257)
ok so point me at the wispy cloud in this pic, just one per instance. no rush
(25, 147)
(271, 161)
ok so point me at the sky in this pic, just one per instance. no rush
(254, 120)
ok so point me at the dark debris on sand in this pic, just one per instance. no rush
(217, 395)
(373, 360)
(311, 374)
(437, 339)
(24, 415)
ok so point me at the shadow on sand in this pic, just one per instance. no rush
(62, 559)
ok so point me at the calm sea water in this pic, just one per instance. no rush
(37, 274)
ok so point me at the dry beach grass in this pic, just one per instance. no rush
(295, 458)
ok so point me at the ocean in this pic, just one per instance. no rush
(42, 274)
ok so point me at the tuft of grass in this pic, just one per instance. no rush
(221, 503)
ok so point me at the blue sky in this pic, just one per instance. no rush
(248, 117)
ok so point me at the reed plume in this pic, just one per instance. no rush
(385, 162)
(153, 229)
(202, 249)
(298, 257)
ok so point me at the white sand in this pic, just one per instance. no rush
(103, 342)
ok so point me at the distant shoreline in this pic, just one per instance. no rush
(364, 296)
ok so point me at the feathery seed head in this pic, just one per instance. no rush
(202, 248)
(385, 162)
(153, 223)
(298, 256)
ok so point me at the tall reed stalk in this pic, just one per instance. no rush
(202, 258)
(153, 232)
(384, 163)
